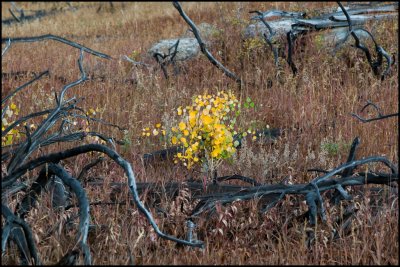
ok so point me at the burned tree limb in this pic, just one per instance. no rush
(11, 219)
(202, 45)
(379, 50)
(22, 87)
(56, 157)
(8, 44)
(56, 38)
(83, 207)
(20, 156)
(238, 177)
(31, 196)
(290, 39)
(87, 167)
(312, 190)
(268, 39)
(375, 119)
(379, 117)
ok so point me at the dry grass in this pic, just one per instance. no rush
(313, 109)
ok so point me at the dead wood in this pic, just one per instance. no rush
(203, 46)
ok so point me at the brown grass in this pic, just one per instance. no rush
(313, 109)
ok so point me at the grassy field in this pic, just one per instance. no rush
(312, 108)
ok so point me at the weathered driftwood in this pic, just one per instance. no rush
(334, 33)
(298, 25)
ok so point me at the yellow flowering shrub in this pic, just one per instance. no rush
(14, 135)
(205, 129)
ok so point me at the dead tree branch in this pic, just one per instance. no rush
(45, 134)
(379, 50)
(269, 38)
(22, 87)
(14, 221)
(56, 38)
(56, 157)
(6, 47)
(203, 46)
(379, 117)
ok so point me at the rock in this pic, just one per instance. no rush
(188, 48)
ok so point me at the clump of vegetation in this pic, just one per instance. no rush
(312, 108)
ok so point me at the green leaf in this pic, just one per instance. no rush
(9, 140)
(248, 99)
(252, 104)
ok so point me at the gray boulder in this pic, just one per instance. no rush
(188, 48)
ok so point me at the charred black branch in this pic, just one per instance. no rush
(202, 45)
(269, 39)
(290, 40)
(83, 206)
(11, 219)
(313, 190)
(379, 50)
(56, 38)
(19, 157)
(379, 117)
(34, 191)
(22, 87)
(56, 157)
(87, 167)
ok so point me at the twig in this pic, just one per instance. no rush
(22, 87)
(134, 62)
(6, 48)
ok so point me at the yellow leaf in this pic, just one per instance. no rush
(206, 119)
(182, 126)
(174, 140)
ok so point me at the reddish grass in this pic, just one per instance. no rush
(313, 108)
